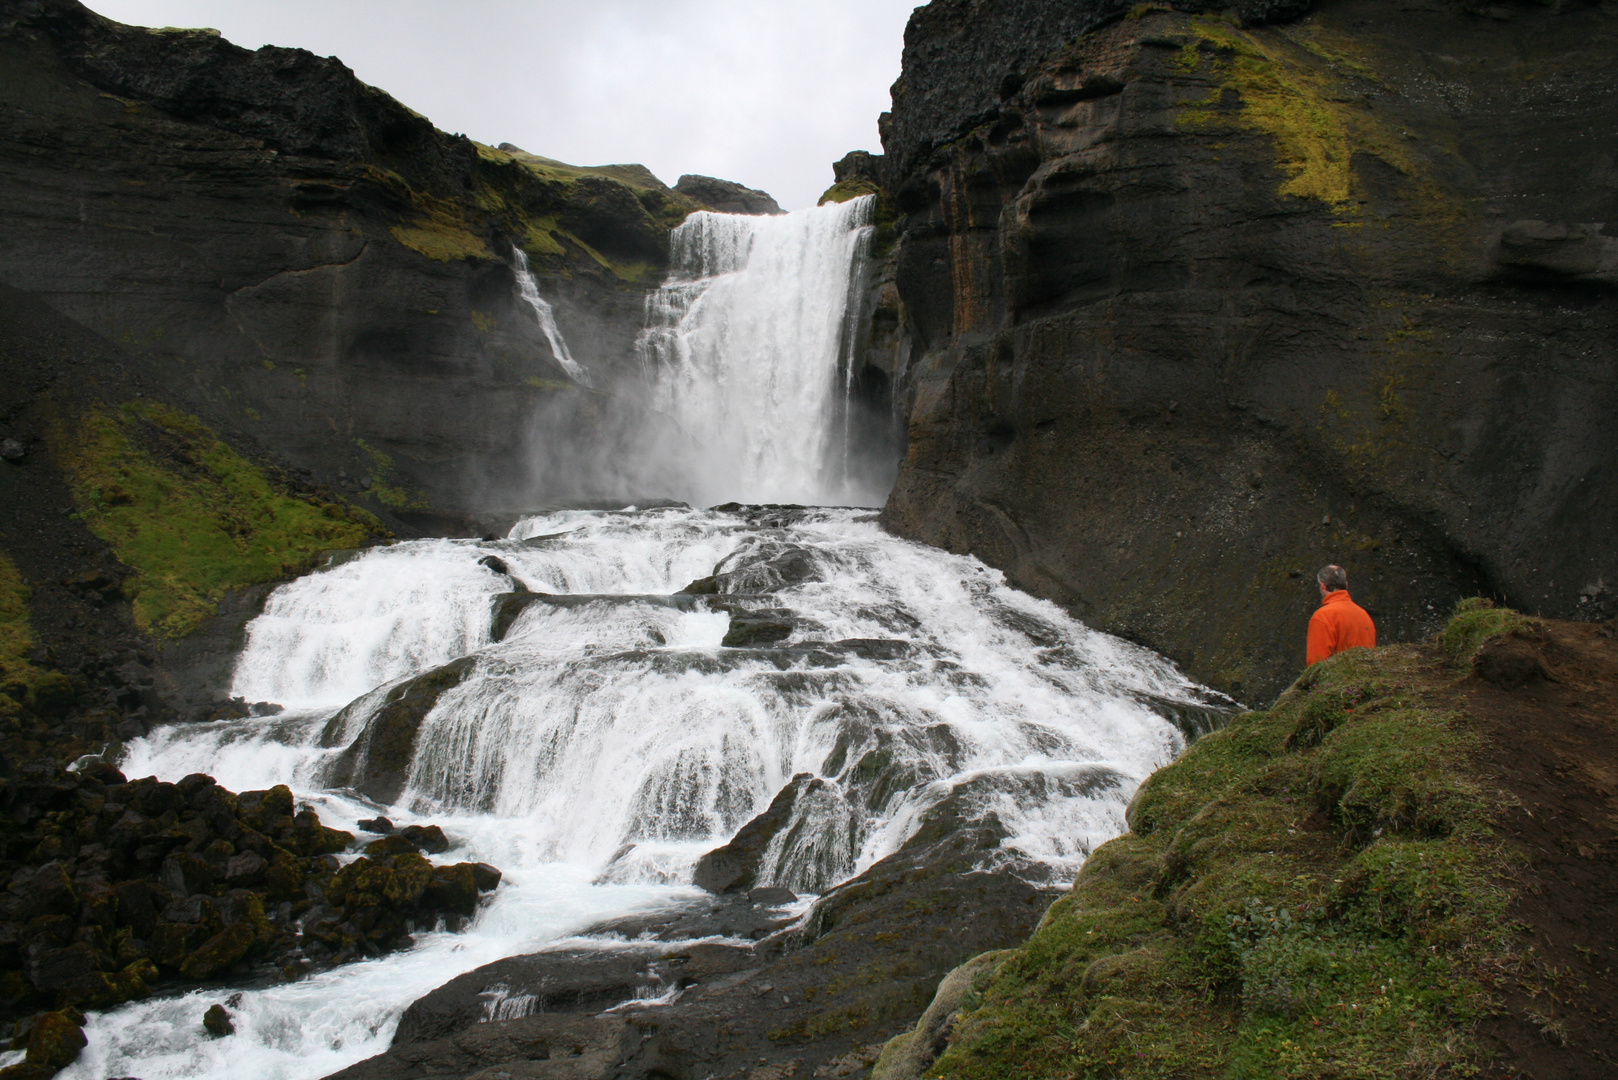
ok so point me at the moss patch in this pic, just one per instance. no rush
(845, 190)
(17, 674)
(1303, 93)
(1315, 891)
(383, 487)
(192, 517)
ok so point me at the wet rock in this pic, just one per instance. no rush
(377, 762)
(753, 631)
(560, 981)
(734, 867)
(55, 1039)
(379, 825)
(12, 450)
(265, 708)
(495, 563)
(217, 1023)
(567, 1046)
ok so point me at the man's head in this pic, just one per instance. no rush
(1332, 578)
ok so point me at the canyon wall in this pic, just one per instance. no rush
(1189, 305)
(314, 268)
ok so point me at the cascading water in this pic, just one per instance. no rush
(529, 290)
(633, 686)
(748, 348)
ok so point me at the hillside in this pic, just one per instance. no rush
(1401, 869)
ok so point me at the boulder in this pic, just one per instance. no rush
(377, 762)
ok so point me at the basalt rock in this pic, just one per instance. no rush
(726, 196)
(115, 887)
(1187, 307)
(377, 760)
(812, 998)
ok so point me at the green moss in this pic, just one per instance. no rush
(17, 674)
(1316, 890)
(844, 190)
(190, 516)
(382, 470)
(1475, 621)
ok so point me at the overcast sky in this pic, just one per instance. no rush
(766, 92)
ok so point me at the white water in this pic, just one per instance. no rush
(621, 722)
(529, 288)
(747, 347)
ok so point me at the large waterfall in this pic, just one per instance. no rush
(625, 689)
(750, 348)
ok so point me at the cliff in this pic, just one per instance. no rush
(1186, 306)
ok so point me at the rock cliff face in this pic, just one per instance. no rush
(306, 263)
(1188, 307)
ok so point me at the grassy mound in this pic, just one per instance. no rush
(1316, 891)
(192, 517)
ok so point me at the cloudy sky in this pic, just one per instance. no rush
(767, 92)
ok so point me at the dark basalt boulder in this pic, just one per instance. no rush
(726, 196)
(377, 761)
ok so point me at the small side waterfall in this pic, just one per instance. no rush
(529, 288)
(748, 346)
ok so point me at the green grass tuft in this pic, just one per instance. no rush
(1476, 620)
(190, 516)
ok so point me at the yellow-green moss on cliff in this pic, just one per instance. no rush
(1315, 891)
(16, 635)
(190, 516)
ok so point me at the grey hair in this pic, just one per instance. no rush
(1332, 578)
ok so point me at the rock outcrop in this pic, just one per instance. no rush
(114, 888)
(726, 196)
(1189, 305)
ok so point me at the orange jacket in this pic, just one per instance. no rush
(1339, 624)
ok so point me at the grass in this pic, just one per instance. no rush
(1315, 891)
(190, 516)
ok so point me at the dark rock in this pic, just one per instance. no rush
(55, 1039)
(561, 981)
(1032, 152)
(771, 896)
(265, 708)
(217, 1023)
(495, 563)
(735, 866)
(426, 838)
(579, 1047)
(246, 869)
(377, 762)
(379, 825)
(12, 450)
(751, 632)
(485, 877)
(726, 196)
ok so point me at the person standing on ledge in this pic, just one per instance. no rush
(1339, 623)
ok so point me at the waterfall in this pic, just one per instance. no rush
(748, 346)
(609, 736)
(613, 694)
(529, 288)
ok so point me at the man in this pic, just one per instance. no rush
(1339, 623)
